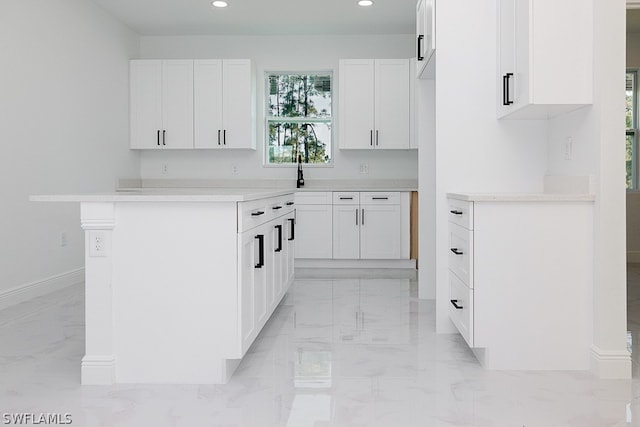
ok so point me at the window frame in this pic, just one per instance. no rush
(268, 119)
(633, 131)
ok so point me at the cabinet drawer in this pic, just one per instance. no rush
(346, 198)
(313, 198)
(256, 212)
(461, 253)
(461, 213)
(380, 198)
(461, 308)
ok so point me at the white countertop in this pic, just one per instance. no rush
(169, 195)
(522, 197)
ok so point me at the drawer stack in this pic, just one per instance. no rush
(461, 267)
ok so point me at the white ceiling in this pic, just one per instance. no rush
(263, 17)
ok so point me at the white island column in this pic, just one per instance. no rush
(98, 364)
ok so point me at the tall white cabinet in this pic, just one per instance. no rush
(374, 104)
(544, 68)
(224, 104)
(426, 38)
(161, 104)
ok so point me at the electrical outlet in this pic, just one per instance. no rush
(364, 168)
(63, 238)
(568, 148)
(97, 244)
(235, 169)
(165, 168)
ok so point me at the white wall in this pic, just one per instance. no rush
(474, 151)
(598, 135)
(63, 125)
(275, 53)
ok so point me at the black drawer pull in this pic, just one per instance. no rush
(455, 304)
(457, 251)
(275, 208)
(260, 263)
(257, 213)
(346, 198)
(380, 198)
(279, 228)
(289, 203)
(292, 228)
(455, 212)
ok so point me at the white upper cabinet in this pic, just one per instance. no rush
(374, 104)
(161, 102)
(545, 55)
(426, 38)
(224, 104)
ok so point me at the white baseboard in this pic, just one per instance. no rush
(355, 263)
(41, 287)
(98, 370)
(633, 256)
(610, 364)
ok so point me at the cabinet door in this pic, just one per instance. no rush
(177, 103)
(346, 232)
(380, 232)
(313, 230)
(392, 102)
(238, 115)
(207, 75)
(145, 103)
(357, 85)
(274, 252)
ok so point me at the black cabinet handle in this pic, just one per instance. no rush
(505, 89)
(224, 137)
(376, 138)
(356, 216)
(371, 137)
(275, 208)
(257, 213)
(279, 228)
(420, 38)
(362, 216)
(158, 137)
(293, 228)
(289, 203)
(346, 198)
(380, 198)
(457, 251)
(218, 136)
(260, 263)
(455, 304)
(164, 137)
(456, 212)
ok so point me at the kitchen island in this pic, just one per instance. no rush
(179, 282)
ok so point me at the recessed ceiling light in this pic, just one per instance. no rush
(219, 3)
(365, 2)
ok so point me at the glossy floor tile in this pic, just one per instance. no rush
(345, 348)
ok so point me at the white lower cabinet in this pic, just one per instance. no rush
(367, 225)
(520, 278)
(314, 224)
(266, 266)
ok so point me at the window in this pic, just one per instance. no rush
(299, 119)
(631, 119)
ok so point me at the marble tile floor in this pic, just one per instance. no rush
(345, 348)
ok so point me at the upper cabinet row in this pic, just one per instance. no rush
(545, 57)
(192, 104)
(375, 104)
(426, 38)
